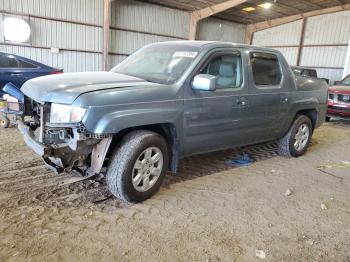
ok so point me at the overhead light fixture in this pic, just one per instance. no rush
(266, 5)
(249, 9)
(16, 30)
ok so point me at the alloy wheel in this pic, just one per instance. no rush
(301, 137)
(147, 169)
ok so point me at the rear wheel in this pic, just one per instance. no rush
(138, 166)
(4, 121)
(328, 118)
(297, 140)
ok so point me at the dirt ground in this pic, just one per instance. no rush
(283, 209)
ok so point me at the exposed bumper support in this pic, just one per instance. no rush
(37, 147)
(28, 137)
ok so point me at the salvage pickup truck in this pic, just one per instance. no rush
(168, 101)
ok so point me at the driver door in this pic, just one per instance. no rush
(213, 119)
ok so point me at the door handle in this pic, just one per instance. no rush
(16, 74)
(241, 102)
(284, 99)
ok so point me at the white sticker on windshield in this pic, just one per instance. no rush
(187, 54)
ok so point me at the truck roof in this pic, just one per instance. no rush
(211, 44)
(303, 67)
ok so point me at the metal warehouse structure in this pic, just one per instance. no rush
(86, 35)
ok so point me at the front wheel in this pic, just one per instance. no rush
(297, 140)
(138, 166)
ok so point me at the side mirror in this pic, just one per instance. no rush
(204, 82)
(337, 83)
(13, 91)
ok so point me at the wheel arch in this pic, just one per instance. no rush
(311, 114)
(166, 130)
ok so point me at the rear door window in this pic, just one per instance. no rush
(266, 69)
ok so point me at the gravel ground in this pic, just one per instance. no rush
(278, 208)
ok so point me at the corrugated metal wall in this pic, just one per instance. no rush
(73, 26)
(279, 37)
(288, 34)
(135, 24)
(290, 53)
(328, 29)
(85, 11)
(325, 42)
(221, 30)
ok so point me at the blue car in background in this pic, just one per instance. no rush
(17, 70)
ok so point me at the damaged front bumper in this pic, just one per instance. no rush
(28, 136)
(87, 156)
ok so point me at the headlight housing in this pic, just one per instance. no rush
(66, 114)
(330, 97)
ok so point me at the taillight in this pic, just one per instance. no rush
(56, 72)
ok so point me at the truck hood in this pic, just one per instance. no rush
(340, 89)
(65, 88)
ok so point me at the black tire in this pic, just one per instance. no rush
(4, 122)
(286, 144)
(328, 118)
(120, 168)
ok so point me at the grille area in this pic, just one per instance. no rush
(340, 109)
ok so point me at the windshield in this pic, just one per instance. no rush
(163, 64)
(346, 81)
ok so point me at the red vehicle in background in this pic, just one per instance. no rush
(339, 100)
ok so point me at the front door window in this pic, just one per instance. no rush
(227, 69)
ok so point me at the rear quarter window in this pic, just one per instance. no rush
(266, 69)
(309, 73)
(24, 64)
(8, 61)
